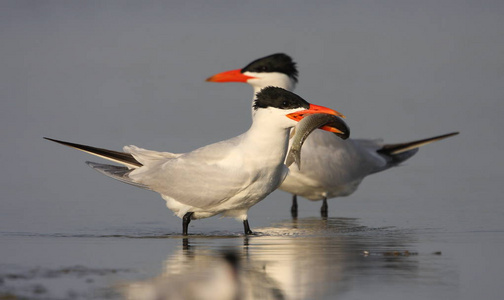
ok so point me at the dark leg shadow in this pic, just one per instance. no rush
(185, 244)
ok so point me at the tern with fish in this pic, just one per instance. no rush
(226, 177)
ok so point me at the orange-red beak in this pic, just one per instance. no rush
(229, 76)
(317, 109)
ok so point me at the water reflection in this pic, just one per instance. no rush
(216, 278)
(308, 258)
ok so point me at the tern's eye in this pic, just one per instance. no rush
(263, 69)
(285, 103)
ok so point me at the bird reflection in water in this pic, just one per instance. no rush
(321, 257)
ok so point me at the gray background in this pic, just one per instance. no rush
(112, 73)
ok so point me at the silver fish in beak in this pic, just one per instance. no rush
(307, 125)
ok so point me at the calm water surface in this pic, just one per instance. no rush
(308, 258)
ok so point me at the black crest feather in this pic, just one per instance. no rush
(278, 62)
(279, 98)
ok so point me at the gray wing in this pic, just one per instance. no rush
(202, 178)
(116, 172)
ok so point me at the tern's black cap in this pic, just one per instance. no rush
(279, 98)
(278, 62)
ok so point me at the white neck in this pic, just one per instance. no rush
(268, 136)
(271, 79)
(271, 138)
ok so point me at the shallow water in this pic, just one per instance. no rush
(307, 258)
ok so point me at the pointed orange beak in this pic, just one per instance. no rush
(314, 109)
(317, 109)
(229, 76)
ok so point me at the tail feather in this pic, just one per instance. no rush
(116, 156)
(402, 151)
(116, 172)
(394, 149)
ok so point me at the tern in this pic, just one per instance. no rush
(332, 167)
(226, 177)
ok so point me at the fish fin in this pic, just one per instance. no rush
(292, 157)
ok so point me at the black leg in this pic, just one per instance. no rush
(247, 227)
(323, 209)
(185, 222)
(294, 207)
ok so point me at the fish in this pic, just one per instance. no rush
(306, 126)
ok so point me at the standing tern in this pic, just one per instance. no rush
(225, 178)
(332, 167)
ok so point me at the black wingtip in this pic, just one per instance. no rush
(121, 157)
(394, 149)
(451, 134)
(53, 140)
(58, 141)
(444, 136)
(72, 145)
